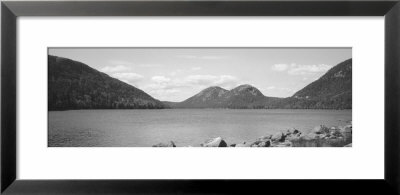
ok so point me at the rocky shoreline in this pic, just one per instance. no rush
(320, 136)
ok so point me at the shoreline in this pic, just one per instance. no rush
(319, 136)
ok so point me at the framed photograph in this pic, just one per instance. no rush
(130, 97)
(133, 97)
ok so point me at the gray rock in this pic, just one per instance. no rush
(293, 136)
(265, 143)
(279, 136)
(335, 132)
(215, 142)
(347, 129)
(170, 144)
(310, 136)
(322, 136)
(254, 145)
(265, 137)
(292, 131)
(320, 129)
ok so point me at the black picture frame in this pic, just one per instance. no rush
(11, 10)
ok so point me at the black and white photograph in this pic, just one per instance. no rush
(199, 97)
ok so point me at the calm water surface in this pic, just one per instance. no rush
(143, 128)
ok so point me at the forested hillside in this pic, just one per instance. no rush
(74, 85)
(332, 91)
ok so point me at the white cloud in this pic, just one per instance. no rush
(193, 81)
(299, 69)
(180, 71)
(274, 91)
(160, 79)
(176, 72)
(271, 87)
(201, 79)
(117, 68)
(121, 70)
(280, 67)
(164, 88)
(286, 89)
(211, 80)
(164, 83)
(163, 94)
(128, 77)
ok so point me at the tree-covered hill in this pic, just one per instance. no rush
(74, 85)
(241, 97)
(332, 91)
(211, 97)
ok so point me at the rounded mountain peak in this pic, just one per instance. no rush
(246, 88)
(211, 91)
(214, 88)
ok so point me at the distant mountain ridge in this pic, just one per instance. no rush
(243, 96)
(75, 85)
(208, 98)
(331, 91)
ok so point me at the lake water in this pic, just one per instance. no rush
(144, 128)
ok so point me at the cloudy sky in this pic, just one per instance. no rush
(175, 74)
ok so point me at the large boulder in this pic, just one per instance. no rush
(265, 143)
(347, 131)
(335, 132)
(265, 137)
(320, 129)
(295, 134)
(279, 136)
(322, 136)
(170, 144)
(215, 142)
(292, 131)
